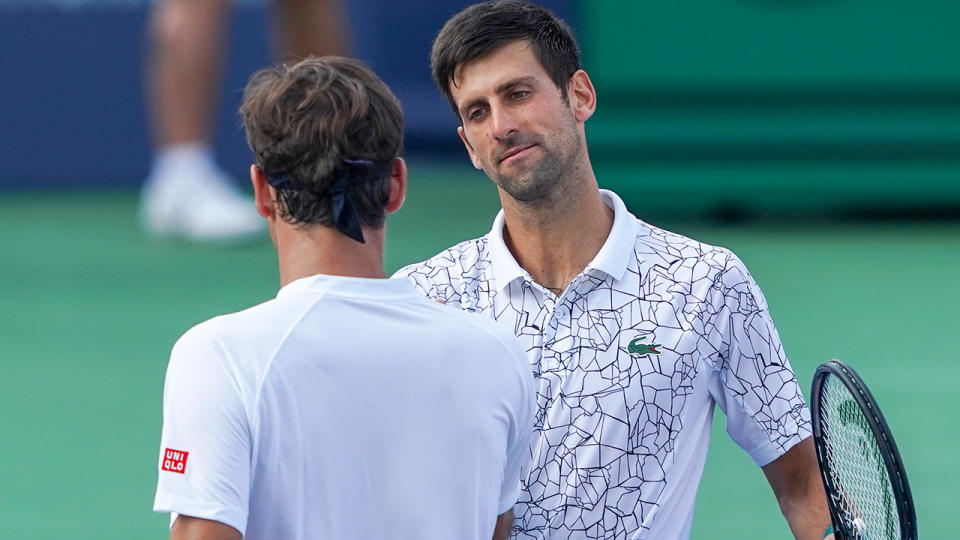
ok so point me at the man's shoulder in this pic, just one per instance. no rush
(481, 337)
(671, 246)
(463, 262)
(695, 264)
(478, 324)
(683, 259)
(234, 323)
(233, 337)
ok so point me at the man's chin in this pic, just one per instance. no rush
(522, 191)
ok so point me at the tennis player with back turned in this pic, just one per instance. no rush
(349, 406)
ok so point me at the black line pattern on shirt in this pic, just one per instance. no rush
(607, 420)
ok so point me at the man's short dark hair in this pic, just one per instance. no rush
(307, 122)
(483, 28)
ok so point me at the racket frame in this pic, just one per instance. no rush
(883, 437)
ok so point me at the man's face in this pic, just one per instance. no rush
(516, 124)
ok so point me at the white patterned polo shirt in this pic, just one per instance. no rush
(628, 363)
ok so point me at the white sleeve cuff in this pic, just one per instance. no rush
(767, 453)
(509, 499)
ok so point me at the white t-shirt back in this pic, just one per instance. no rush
(346, 408)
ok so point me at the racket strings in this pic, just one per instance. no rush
(856, 467)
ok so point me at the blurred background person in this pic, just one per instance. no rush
(187, 194)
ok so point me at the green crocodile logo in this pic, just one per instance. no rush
(635, 347)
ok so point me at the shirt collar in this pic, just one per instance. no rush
(503, 267)
(351, 286)
(619, 247)
(612, 259)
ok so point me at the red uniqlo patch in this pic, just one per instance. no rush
(174, 460)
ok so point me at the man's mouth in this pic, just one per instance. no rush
(514, 151)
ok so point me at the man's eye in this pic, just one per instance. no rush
(520, 94)
(475, 113)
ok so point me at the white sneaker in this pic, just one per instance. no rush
(198, 203)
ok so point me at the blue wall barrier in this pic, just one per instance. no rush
(72, 84)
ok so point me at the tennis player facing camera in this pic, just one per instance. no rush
(349, 406)
(634, 333)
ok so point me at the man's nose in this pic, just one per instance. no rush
(503, 123)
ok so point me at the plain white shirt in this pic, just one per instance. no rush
(346, 408)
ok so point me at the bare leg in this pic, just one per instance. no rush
(187, 195)
(305, 27)
(187, 42)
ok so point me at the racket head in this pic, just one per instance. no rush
(866, 484)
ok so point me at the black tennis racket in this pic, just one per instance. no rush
(866, 485)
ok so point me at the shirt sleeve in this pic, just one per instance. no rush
(442, 276)
(753, 382)
(518, 446)
(204, 466)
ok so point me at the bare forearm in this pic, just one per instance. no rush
(806, 511)
(504, 523)
(795, 479)
(191, 528)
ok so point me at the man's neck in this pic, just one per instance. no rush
(308, 251)
(554, 242)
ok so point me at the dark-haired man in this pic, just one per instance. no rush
(634, 333)
(349, 406)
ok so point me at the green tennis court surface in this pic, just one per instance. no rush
(90, 307)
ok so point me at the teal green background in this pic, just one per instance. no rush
(91, 306)
(776, 105)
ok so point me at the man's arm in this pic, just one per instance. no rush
(204, 418)
(193, 528)
(795, 479)
(504, 522)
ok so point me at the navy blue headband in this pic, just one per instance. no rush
(345, 216)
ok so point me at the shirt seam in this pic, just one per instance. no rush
(254, 418)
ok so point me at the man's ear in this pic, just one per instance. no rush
(582, 95)
(398, 186)
(264, 195)
(473, 155)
